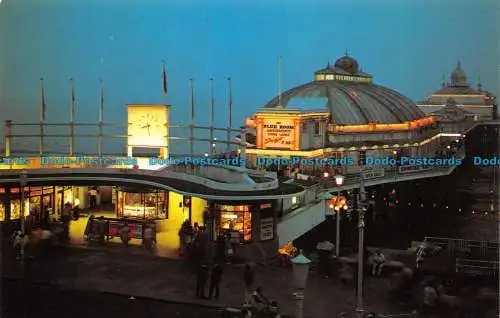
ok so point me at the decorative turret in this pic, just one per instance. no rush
(458, 77)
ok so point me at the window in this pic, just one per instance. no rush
(304, 127)
(235, 219)
(151, 205)
(317, 128)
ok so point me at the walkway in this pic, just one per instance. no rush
(170, 280)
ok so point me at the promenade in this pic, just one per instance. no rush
(171, 280)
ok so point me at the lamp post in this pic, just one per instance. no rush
(323, 180)
(339, 181)
(23, 176)
(361, 237)
(300, 271)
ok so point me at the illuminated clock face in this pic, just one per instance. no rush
(147, 122)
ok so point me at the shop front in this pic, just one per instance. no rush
(47, 199)
(136, 203)
(250, 225)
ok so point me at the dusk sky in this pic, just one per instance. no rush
(406, 45)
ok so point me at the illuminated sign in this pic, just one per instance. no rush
(345, 78)
(278, 133)
(148, 127)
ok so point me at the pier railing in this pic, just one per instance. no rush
(453, 246)
(476, 266)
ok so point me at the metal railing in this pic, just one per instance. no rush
(460, 245)
(390, 174)
(484, 267)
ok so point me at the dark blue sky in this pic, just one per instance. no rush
(407, 45)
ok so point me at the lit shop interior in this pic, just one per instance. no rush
(169, 209)
(37, 199)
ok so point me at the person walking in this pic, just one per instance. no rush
(215, 278)
(248, 277)
(201, 281)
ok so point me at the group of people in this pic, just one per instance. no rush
(254, 298)
(193, 241)
(41, 239)
(214, 282)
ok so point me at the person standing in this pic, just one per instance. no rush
(215, 278)
(124, 234)
(248, 278)
(201, 281)
(93, 198)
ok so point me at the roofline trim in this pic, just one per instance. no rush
(157, 185)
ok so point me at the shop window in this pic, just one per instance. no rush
(304, 127)
(2, 211)
(151, 205)
(317, 128)
(235, 219)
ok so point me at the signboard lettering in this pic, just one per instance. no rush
(278, 133)
(266, 229)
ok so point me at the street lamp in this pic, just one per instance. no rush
(323, 180)
(23, 176)
(300, 271)
(339, 181)
(361, 238)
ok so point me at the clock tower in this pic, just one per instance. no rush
(148, 128)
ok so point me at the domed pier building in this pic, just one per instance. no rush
(342, 113)
(482, 105)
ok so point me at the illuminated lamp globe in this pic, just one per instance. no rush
(339, 179)
(326, 174)
(300, 270)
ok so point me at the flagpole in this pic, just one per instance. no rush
(191, 124)
(212, 116)
(43, 108)
(279, 80)
(165, 150)
(72, 118)
(229, 114)
(101, 116)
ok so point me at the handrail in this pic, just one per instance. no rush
(474, 243)
(162, 173)
(476, 264)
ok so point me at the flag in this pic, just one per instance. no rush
(164, 78)
(43, 105)
(73, 99)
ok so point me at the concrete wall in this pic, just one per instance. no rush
(300, 222)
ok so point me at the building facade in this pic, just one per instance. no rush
(480, 103)
(343, 116)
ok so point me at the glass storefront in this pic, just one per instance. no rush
(37, 199)
(234, 219)
(142, 205)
